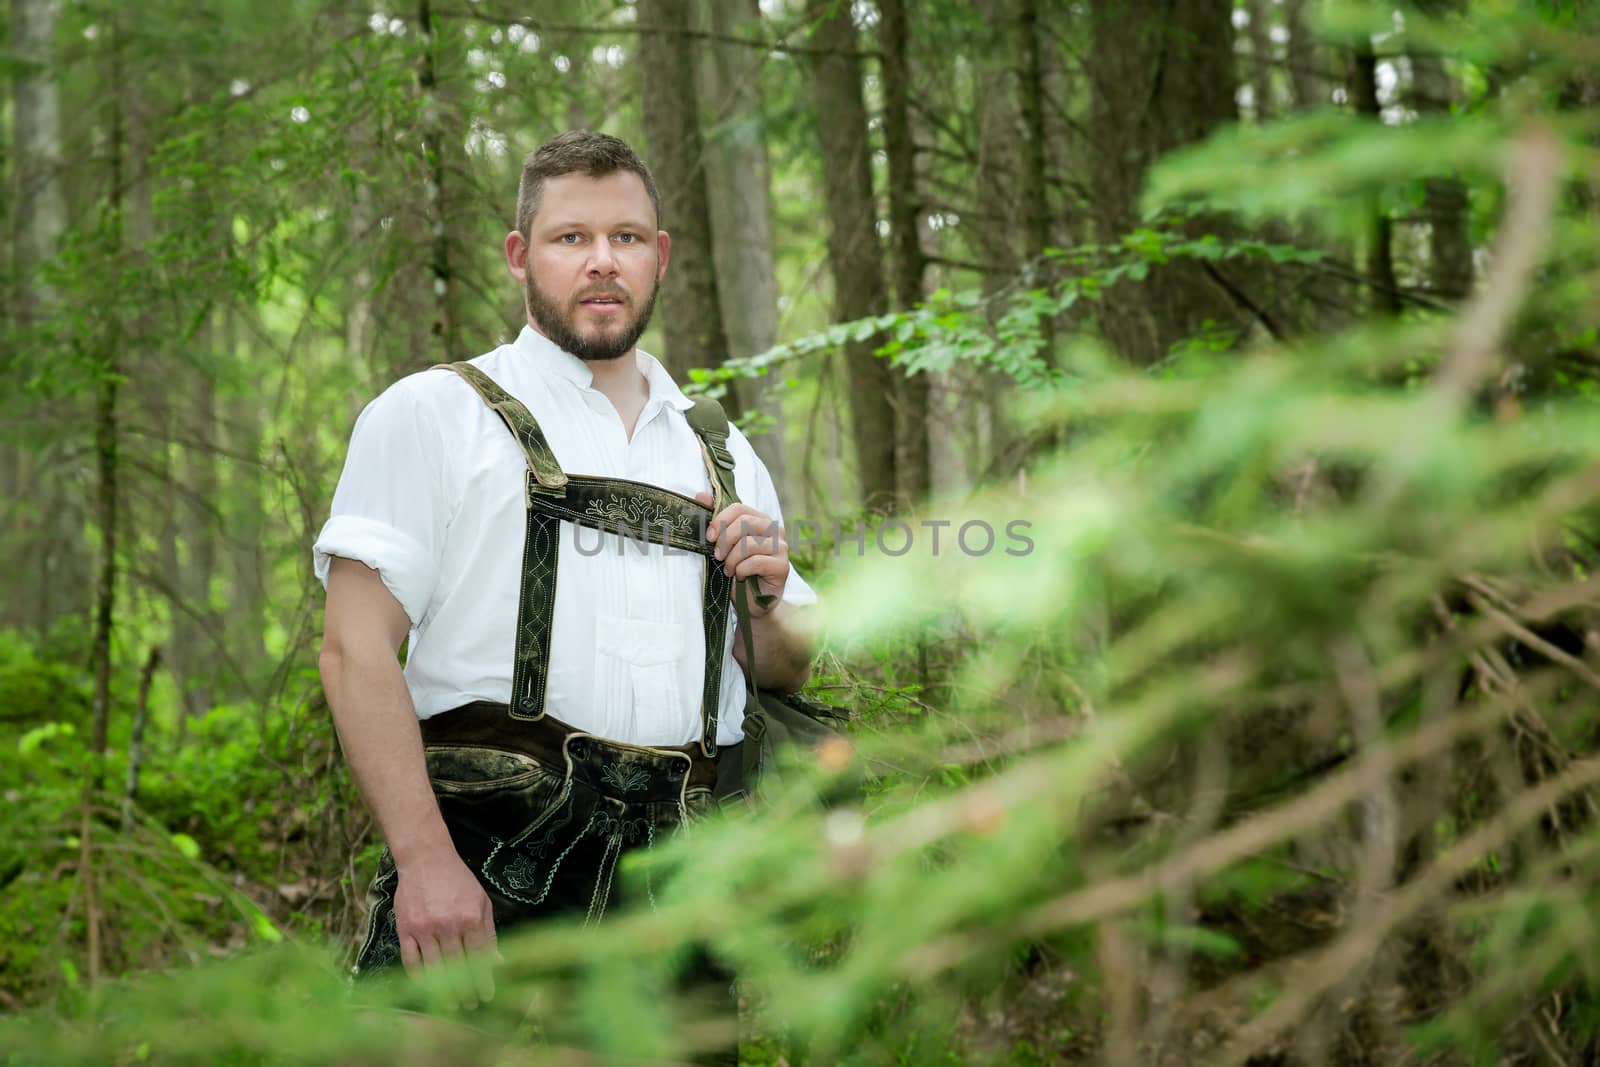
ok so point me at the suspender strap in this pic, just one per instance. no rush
(714, 619)
(536, 597)
(629, 509)
(652, 515)
(536, 609)
(541, 461)
(710, 424)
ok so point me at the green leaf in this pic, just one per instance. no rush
(186, 845)
(37, 736)
(1197, 939)
(266, 931)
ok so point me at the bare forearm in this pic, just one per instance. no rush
(783, 647)
(377, 726)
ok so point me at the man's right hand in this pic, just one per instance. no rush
(442, 915)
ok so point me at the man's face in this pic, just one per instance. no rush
(591, 264)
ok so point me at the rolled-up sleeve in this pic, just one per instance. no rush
(755, 487)
(391, 507)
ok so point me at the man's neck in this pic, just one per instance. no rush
(622, 383)
(618, 376)
(619, 381)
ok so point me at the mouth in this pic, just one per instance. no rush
(603, 307)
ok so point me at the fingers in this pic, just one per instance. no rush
(460, 963)
(739, 534)
(428, 954)
(738, 520)
(455, 938)
(481, 955)
(453, 955)
(410, 954)
(762, 557)
(771, 569)
(751, 546)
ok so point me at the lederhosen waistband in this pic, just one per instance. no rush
(548, 739)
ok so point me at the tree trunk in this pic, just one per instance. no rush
(359, 322)
(105, 443)
(1380, 252)
(443, 156)
(243, 615)
(205, 657)
(105, 447)
(170, 559)
(1031, 187)
(907, 262)
(995, 231)
(141, 716)
(739, 181)
(1260, 60)
(854, 257)
(39, 209)
(691, 313)
(50, 579)
(1159, 79)
(1446, 201)
(1305, 74)
(577, 113)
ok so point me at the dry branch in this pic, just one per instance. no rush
(1322, 970)
(1249, 838)
(1534, 176)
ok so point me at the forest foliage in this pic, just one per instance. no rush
(1272, 322)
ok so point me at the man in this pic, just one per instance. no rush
(433, 536)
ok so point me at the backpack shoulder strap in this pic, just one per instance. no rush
(523, 426)
(710, 424)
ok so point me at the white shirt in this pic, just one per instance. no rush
(432, 498)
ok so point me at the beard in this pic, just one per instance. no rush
(605, 341)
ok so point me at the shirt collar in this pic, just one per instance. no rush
(548, 355)
(662, 387)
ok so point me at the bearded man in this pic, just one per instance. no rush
(544, 723)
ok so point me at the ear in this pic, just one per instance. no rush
(517, 255)
(663, 253)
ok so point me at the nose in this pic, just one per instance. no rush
(602, 260)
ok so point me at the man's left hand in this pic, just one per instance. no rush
(750, 545)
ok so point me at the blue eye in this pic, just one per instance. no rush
(568, 238)
(627, 238)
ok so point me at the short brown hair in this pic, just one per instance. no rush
(577, 152)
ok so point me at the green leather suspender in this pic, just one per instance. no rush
(541, 461)
(619, 506)
(710, 424)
